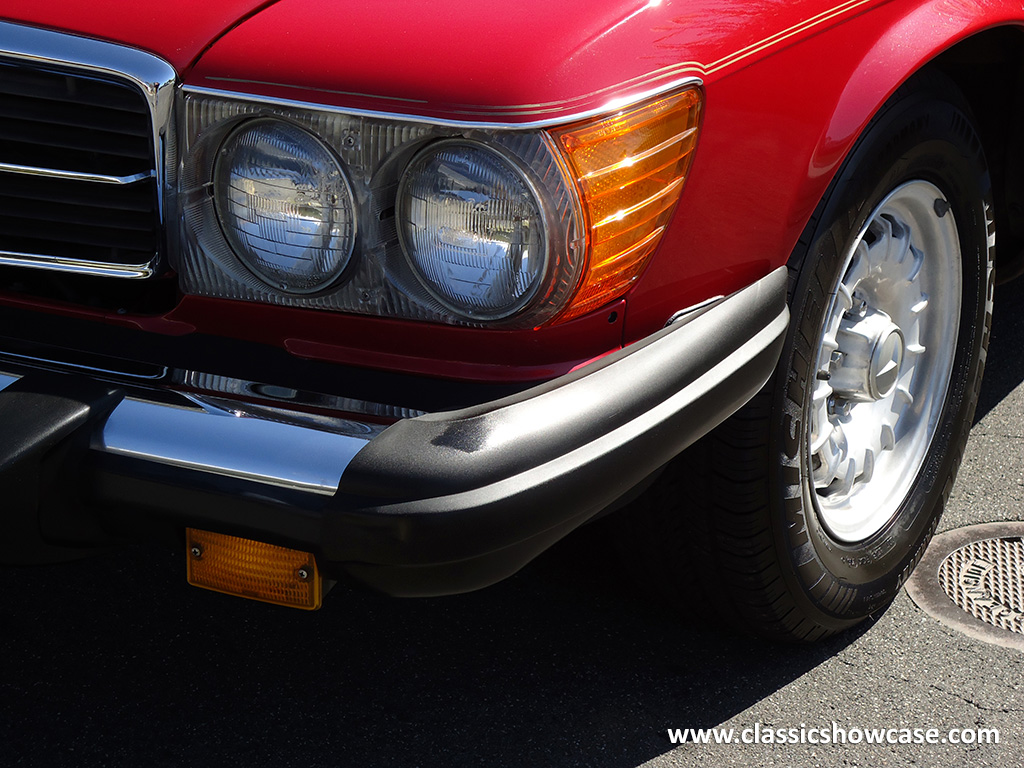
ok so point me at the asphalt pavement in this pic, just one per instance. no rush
(115, 661)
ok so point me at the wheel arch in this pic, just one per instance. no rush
(986, 62)
(989, 70)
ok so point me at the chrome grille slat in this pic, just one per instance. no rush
(54, 173)
(77, 266)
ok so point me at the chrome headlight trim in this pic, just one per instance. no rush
(606, 107)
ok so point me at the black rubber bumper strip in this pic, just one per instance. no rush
(521, 471)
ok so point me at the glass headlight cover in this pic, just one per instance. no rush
(488, 226)
(472, 226)
(285, 205)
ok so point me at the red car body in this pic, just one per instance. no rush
(808, 75)
(788, 87)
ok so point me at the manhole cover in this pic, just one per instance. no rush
(972, 579)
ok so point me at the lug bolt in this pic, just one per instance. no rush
(837, 408)
(835, 359)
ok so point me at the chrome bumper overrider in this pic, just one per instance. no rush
(222, 438)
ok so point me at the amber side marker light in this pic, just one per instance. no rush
(629, 170)
(252, 569)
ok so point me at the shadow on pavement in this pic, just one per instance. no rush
(1004, 369)
(115, 661)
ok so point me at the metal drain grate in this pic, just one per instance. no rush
(985, 579)
(972, 579)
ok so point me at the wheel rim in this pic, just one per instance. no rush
(885, 358)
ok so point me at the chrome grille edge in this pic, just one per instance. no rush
(103, 111)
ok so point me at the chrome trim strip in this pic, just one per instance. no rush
(317, 422)
(613, 105)
(224, 388)
(159, 372)
(229, 443)
(53, 173)
(151, 74)
(285, 449)
(78, 266)
(689, 311)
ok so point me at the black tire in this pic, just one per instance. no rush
(779, 539)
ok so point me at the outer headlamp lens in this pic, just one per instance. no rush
(285, 205)
(472, 227)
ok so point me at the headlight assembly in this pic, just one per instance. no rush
(450, 223)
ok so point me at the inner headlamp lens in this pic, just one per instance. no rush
(285, 205)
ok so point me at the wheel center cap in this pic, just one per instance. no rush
(885, 363)
(872, 348)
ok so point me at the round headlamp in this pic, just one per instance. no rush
(471, 224)
(285, 205)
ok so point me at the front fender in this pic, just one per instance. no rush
(780, 118)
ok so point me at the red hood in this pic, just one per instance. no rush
(176, 30)
(497, 60)
(478, 60)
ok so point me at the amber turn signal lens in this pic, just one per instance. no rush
(252, 569)
(629, 170)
